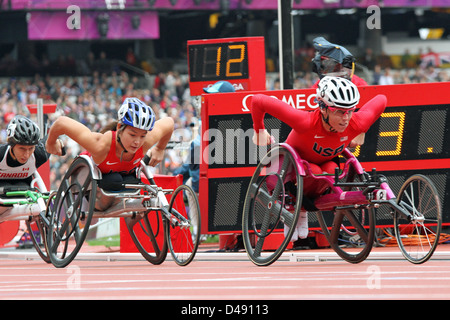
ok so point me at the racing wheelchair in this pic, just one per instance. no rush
(345, 208)
(20, 201)
(155, 223)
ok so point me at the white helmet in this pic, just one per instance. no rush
(338, 92)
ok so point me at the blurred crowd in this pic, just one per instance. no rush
(381, 69)
(94, 100)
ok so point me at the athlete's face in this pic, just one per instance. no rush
(133, 138)
(338, 119)
(22, 152)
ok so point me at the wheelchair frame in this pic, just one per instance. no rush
(348, 199)
(74, 205)
(28, 204)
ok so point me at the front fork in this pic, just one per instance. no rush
(377, 192)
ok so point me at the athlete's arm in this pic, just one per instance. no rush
(357, 141)
(95, 143)
(40, 153)
(158, 138)
(262, 104)
(370, 112)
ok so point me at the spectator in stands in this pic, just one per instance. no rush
(384, 61)
(386, 77)
(368, 59)
(407, 60)
(130, 57)
(103, 65)
(376, 75)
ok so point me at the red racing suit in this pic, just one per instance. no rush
(308, 136)
(113, 164)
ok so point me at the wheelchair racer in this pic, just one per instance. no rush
(322, 135)
(23, 153)
(20, 158)
(118, 149)
(336, 61)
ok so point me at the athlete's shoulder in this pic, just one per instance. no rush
(40, 153)
(358, 81)
(103, 145)
(3, 149)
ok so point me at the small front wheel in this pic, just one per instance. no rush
(183, 229)
(418, 235)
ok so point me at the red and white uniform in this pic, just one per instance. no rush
(113, 164)
(12, 171)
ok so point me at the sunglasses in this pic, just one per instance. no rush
(341, 112)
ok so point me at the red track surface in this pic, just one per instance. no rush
(218, 279)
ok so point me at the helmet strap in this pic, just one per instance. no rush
(353, 70)
(327, 121)
(121, 129)
(11, 150)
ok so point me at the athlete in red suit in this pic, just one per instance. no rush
(121, 148)
(320, 135)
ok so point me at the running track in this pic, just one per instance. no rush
(227, 276)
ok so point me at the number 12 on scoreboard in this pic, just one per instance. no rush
(240, 61)
(218, 61)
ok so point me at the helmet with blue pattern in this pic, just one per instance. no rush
(135, 113)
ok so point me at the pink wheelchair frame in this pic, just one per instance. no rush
(344, 198)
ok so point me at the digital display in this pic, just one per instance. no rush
(240, 61)
(218, 61)
(412, 133)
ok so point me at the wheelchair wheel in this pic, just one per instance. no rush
(418, 237)
(37, 228)
(272, 205)
(183, 239)
(350, 233)
(147, 233)
(71, 214)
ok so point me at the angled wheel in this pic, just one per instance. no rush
(183, 231)
(353, 247)
(71, 214)
(37, 228)
(351, 233)
(272, 205)
(147, 233)
(418, 236)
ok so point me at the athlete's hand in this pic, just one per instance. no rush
(55, 148)
(262, 138)
(357, 141)
(156, 156)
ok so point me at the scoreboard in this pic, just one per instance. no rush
(240, 61)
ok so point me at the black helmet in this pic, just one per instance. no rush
(332, 60)
(22, 130)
